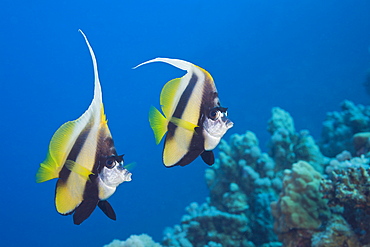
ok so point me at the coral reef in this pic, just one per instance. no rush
(292, 193)
(244, 181)
(142, 240)
(339, 128)
(361, 143)
(301, 207)
(366, 83)
(287, 146)
(348, 192)
(337, 233)
(206, 226)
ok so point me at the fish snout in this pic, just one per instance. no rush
(228, 122)
(120, 166)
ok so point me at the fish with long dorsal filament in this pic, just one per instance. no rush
(83, 158)
(193, 119)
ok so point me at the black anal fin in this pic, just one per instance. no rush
(84, 210)
(208, 157)
(107, 209)
(189, 157)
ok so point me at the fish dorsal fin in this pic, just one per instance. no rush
(97, 87)
(181, 64)
(158, 123)
(80, 170)
(96, 108)
(63, 139)
(168, 94)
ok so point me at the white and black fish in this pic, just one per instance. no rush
(83, 158)
(193, 119)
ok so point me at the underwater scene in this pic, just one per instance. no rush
(185, 123)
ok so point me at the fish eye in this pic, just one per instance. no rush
(214, 114)
(110, 162)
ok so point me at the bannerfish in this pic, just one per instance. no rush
(193, 117)
(83, 158)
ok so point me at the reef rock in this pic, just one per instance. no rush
(361, 143)
(348, 192)
(337, 233)
(301, 208)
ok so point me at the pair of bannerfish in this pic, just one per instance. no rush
(83, 157)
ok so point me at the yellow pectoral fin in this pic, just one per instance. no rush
(130, 166)
(158, 123)
(184, 124)
(80, 170)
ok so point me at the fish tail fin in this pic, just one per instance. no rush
(158, 123)
(47, 171)
(184, 124)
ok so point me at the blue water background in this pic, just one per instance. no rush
(303, 56)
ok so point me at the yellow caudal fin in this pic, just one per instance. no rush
(47, 171)
(184, 124)
(158, 123)
(80, 170)
(58, 149)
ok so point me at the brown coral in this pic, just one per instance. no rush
(300, 209)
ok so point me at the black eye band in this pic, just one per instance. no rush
(222, 109)
(119, 158)
(113, 160)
